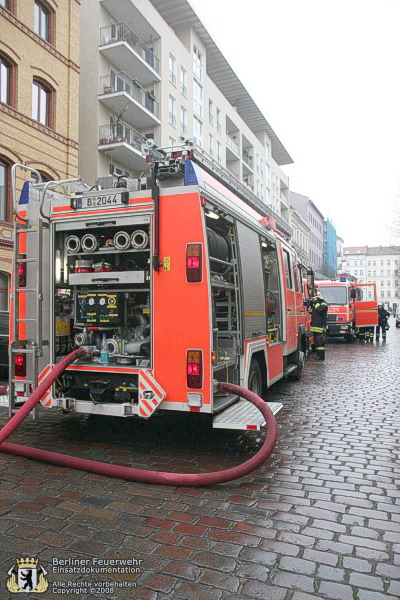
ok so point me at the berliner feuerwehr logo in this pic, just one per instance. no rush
(27, 575)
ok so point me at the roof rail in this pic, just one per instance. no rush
(193, 152)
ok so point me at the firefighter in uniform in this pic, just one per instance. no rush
(383, 316)
(318, 309)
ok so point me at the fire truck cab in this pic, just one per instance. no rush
(177, 281)
(350, 306)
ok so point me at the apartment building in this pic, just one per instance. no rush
(378, 264)
(39, 89)
(330, 250)
(315, 219)
(354, 262)
(150, 69)
(300, 236)
(339, 254)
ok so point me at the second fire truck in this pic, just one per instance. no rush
(351, 306)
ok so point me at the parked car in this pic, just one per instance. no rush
(4, 340)
(397, 317)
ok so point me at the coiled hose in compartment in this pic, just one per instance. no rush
(129, 473)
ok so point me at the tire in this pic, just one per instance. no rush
(299, 360)
(349, 337)
(255, 378)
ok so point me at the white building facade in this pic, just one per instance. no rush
(377, 264)
(149, 69)
(300, 236)
(315, 220)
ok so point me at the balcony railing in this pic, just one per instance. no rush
(248, 159)
(116, 133)
(121, 32)
(230, 142)
(184, 90)
(183, 129)
(121, 82)
(172, 119)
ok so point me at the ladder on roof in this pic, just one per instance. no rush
(30, 348)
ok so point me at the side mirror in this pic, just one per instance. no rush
(353, 293)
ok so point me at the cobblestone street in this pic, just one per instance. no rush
(321, 519)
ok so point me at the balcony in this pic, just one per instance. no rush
(232, 149)
(247, 162)
(125, 144)
(123, 48)
(119, 92)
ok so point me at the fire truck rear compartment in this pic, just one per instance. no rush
(102, 299)
(99, 388)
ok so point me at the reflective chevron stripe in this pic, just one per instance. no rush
(151, 394)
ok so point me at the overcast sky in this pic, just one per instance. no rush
(325, 73)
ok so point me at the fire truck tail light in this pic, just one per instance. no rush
(194, 369)
(22, 272)
(20, 365)
(193, 263)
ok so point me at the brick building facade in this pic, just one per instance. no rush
(39, 101)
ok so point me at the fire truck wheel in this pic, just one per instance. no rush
(299, 360)
(255, 378)
(350, 337)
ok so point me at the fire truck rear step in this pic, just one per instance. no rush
(243, 415)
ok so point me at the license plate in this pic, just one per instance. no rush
(101, 201)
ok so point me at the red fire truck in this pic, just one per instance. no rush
(351, 306)
(176, 282)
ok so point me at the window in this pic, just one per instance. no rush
(197, 63)
(4, 189)
(381, 271)
(382, 283)
(42, 20)
(5, 3)
(381, 263)
(198, 130)
(388, 262)
(183, 82)
(297, 278)
(172, 69)
(218, 120)
(355, 272)
(369, 263)
(197, 98)
(172, 111)
(211, 144)
(286, 259)
(267, 152)
(41, 103)
(4, 295)
(5, 81)
(374, 263)
(219, 159)
(117, 171)
(183, 120)
(374, 273)
(361, 272)
(388, 271)
(211, 111)
(257, 163)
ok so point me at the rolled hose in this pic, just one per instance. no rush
(129, 473)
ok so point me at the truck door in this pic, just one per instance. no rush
(366, 306)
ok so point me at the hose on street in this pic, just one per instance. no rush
(129, 473)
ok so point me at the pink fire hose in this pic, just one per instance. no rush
(129, 473)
